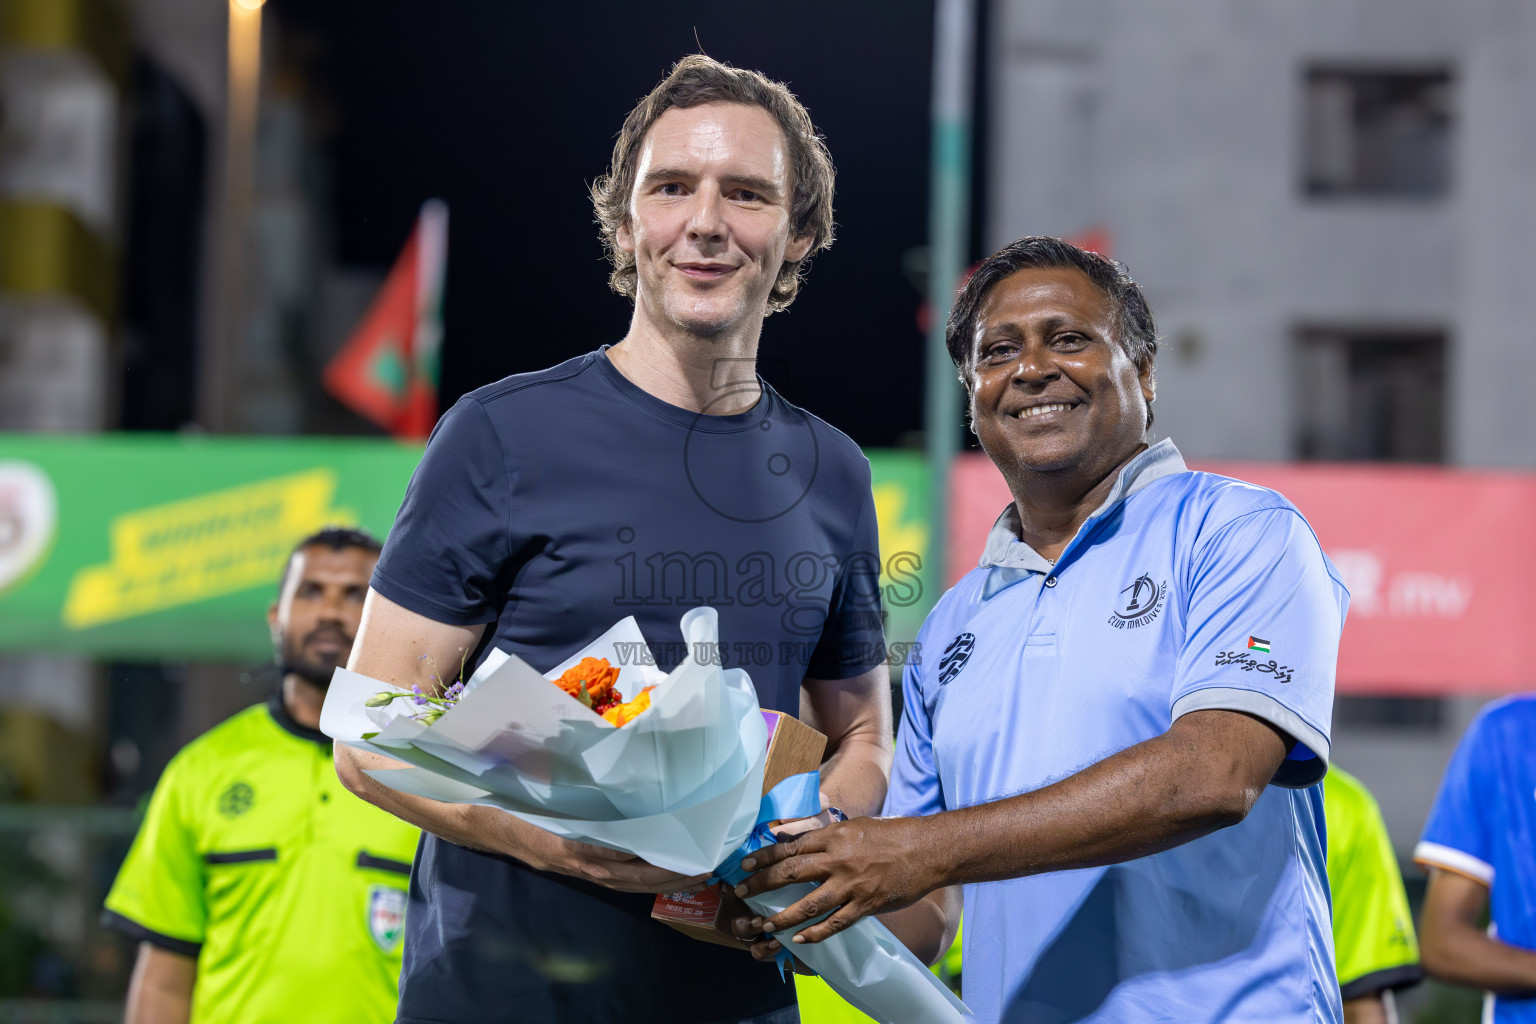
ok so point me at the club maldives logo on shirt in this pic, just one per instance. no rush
(1139, 603)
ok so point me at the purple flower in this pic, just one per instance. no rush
(420, 697)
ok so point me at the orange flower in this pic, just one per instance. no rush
(595, 678)
(598, 675)
(622, 713)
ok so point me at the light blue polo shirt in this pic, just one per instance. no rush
(1183, 592)
(1483, 826)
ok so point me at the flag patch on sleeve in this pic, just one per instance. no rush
(1255, 644)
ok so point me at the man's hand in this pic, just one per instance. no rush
(599, 865)
(742, 922)
(798, 826)
(1203, 774)
(494, 831)
(866, 866)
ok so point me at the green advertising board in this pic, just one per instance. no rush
(148, 546)
(907, 586)
(151, 546)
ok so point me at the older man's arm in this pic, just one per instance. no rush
(1205, 773)
(397, 646)
(855, 716)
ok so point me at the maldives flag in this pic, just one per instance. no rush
(387, 370)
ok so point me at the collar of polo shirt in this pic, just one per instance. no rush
(1011, 560)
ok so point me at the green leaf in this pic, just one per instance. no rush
(584, 696)
(369, 735)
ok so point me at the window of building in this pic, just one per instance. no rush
(1370, 395)
(1377, 132)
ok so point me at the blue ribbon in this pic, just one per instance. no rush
(798, 796)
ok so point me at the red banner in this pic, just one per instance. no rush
(1440, 565)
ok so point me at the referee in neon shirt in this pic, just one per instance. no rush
(260, 890)
(1373, 940)
(1113, 740)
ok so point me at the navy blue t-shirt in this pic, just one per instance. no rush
(549, 506)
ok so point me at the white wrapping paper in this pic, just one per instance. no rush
(679, 785)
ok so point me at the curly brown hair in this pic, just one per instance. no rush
(695, 80)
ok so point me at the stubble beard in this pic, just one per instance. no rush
(316, 672)
(709, 316)
(709, 322)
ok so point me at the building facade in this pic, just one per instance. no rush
(1330, 206)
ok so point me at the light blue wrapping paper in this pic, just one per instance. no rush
(864, 963)
(679, 785)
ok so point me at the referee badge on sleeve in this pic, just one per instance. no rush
(386, 916)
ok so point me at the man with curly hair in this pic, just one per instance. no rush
(639, 479)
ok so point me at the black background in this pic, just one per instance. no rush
(507, 111)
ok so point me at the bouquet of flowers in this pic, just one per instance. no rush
(665, 766)
(591, 682)
(677, 785)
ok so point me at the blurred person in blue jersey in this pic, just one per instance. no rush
(1479, 847)
(640, 479)
(1113, 739)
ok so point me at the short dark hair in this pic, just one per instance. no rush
(337, 538)
(1135, 329)
(694, 81)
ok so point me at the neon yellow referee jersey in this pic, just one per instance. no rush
(1373, 941)
(820, 1005)
(288, 890)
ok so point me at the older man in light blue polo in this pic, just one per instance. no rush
(1113, 739)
